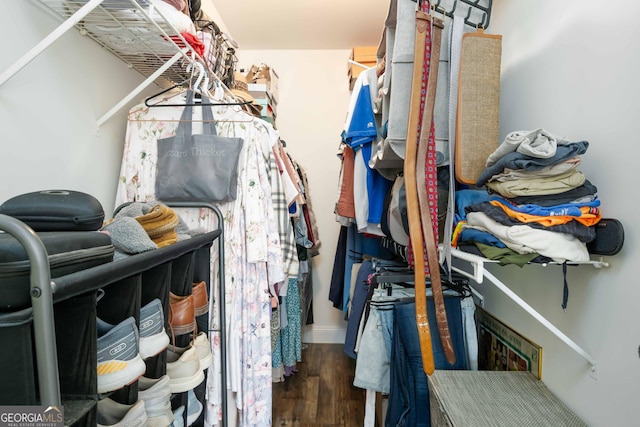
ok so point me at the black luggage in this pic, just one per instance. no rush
(609, 237)
(68, 252)
(56, 210)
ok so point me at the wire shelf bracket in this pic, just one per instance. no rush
(480, 273)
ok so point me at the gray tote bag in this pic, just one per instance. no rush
(197, 168)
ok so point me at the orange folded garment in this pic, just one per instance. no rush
(590, 216)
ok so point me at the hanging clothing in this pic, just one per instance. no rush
(288, 348)
(361, 193)
(409, 384)
(308, 212)
(336, 290)
(345, 206)
(253, 254)
(360, 132)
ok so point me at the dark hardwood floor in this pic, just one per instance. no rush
(321, 393)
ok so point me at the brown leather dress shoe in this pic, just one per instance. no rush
(200, 298)
(182, 318)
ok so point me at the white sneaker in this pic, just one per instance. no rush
(156, 395)
(183, 370)
(113, 414)
(203, 349)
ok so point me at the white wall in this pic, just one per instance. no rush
(571, 67)
(48, 110)
(313, 101)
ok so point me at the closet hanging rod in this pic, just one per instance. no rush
(146, 101)
(351, 61)
(397, 278)
(478, 264)
(213, 104)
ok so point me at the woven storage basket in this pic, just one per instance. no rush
(495, 399)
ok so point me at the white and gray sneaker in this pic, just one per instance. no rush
(183, 370)
(156, 395)
(113, 414)
(119, 362)
(153, 338)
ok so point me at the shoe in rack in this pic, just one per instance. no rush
(193, 413)
(119, 361)
(113, 414)
(203, 349)
(182, 316)
(156, 395)
(183, 370)
(200, 298)
(153, 337)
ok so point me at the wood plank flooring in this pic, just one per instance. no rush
(321, 393)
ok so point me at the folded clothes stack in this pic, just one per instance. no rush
(142, 226)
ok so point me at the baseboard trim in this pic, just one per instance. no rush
(323, 335)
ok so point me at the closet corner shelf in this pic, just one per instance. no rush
(480, 273)
(135, 31)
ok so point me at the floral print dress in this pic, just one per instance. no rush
(253, 258)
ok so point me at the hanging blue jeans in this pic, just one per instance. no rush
(409, 395)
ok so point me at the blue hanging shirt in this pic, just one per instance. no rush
(362, 127)
(360, 134)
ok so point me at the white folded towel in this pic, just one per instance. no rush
(535, 143)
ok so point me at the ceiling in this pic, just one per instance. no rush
(301, 24)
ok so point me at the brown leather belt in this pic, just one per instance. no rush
(426, 174)
(411, 190)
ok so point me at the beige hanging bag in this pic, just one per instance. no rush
(478, 117)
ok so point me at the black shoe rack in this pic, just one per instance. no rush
(50, 354)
